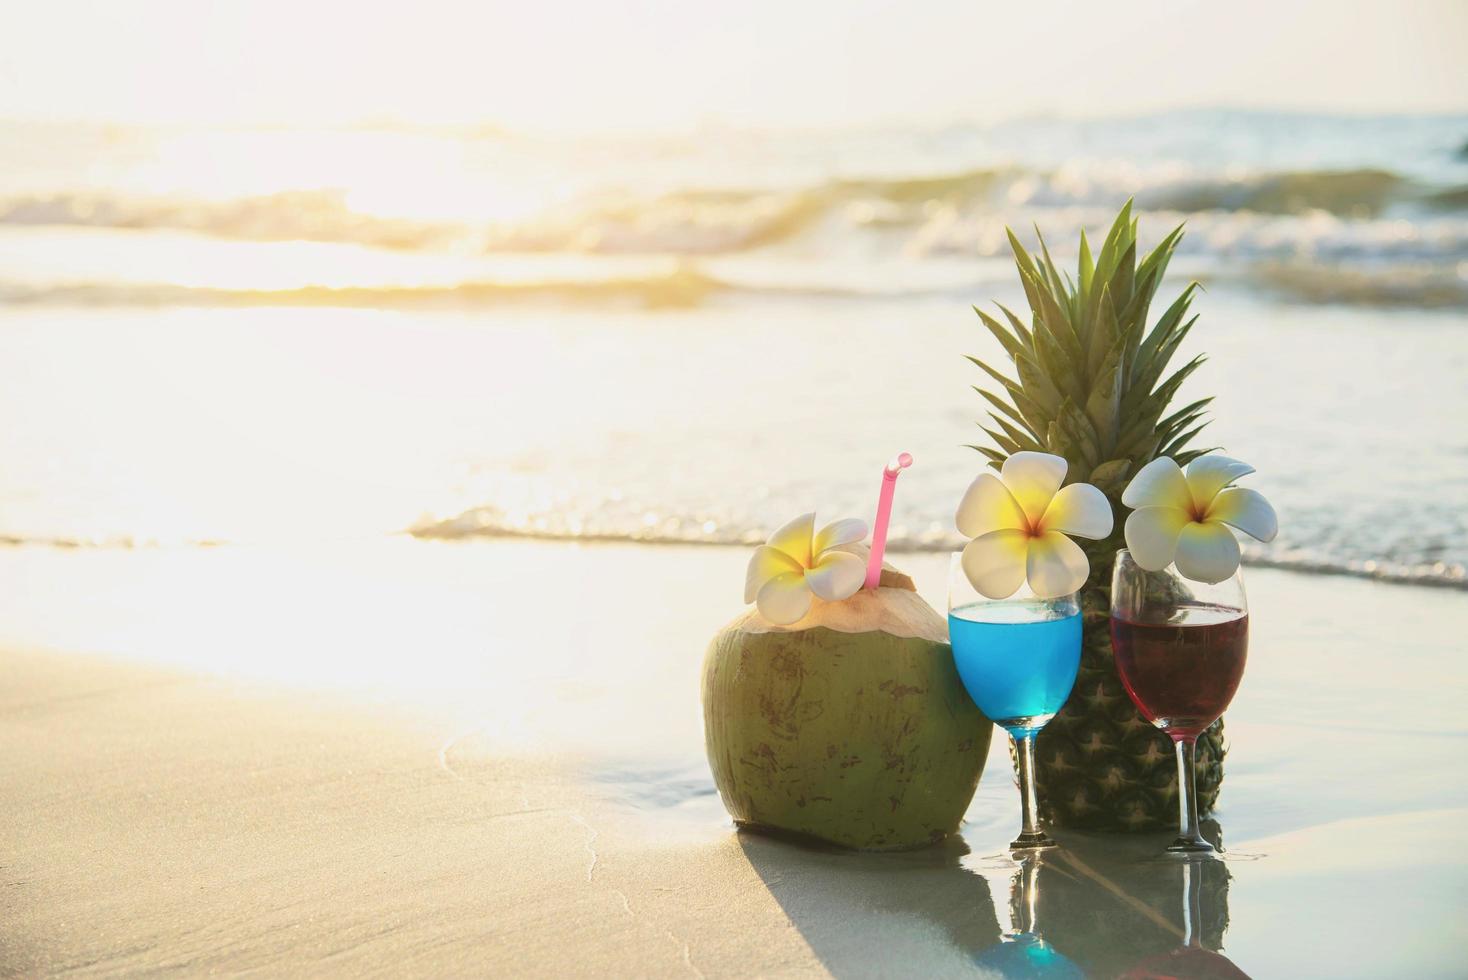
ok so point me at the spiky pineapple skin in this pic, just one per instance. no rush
(1099, 764)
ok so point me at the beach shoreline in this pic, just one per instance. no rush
(357, 760)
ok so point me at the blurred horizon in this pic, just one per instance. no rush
(488, 128)
(652, 66)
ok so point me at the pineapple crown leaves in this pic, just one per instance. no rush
(1089, 380)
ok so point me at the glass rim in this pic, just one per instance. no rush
(1238, 573)
(1230, 592)
(954, 559)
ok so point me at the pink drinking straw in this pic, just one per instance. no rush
(884, 514)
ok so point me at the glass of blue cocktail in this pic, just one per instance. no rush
(1018, 658)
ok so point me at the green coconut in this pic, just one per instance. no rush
(850, 726)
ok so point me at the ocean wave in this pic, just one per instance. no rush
(110, 543)
(1345, 193)
(298, 215)
(690, 223)
(487, 523)
(680, 287)
(1347, 213)
(727, 220)
(1219, 237)
(695, 531)
(1357, 237)
(1415, 285)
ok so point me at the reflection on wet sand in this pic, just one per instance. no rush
(1024, 952)
(1096, 906)
(1192, 959)
(1115, 907)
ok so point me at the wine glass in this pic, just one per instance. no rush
(1180, 647)
(1018, 659)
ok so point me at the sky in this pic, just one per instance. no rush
(598, 65)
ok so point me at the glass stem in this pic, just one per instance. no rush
(1024, 746)
(1187, 792)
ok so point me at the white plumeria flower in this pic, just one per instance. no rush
(797, 562)
(1182, 517)
(1019, 521)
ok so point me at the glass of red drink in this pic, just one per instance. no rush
(1180, 647)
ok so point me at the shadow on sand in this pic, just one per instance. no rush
(866, 914)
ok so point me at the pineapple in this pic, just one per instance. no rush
(1090, 387)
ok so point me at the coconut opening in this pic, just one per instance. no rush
(894, 608)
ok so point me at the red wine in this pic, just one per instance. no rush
(1182, 674)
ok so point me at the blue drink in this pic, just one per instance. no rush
(1018, 660)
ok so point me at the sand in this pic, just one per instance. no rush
(431, 759)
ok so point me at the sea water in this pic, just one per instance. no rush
(1017, 660)
(482, 335)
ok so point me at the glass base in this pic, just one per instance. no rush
(1191, 845)
(1031, 841)
(1024, 725)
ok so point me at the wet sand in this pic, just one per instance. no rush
(427, 758)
